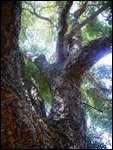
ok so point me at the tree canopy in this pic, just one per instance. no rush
(40, 23)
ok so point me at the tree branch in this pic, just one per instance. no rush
(39, 16)
(41, 63)
(97, 85)
(80, 11)
(86, 21)
(92, 107)
(63, 18)
(87, 56)
(62, 30)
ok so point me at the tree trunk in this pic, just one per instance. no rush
(24, 122)
(23, 117)
(66, 113)
(24, 125)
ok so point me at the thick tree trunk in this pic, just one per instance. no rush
(20, 123)
(66, 113)
(24, 125)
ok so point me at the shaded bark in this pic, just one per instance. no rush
(66, 113)
(22, 127)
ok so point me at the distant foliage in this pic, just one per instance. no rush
(94, 143)
(101, 100)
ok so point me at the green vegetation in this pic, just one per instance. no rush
(101, 117)
(32, 71)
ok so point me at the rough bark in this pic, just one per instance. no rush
(63, 26)
(87, 56)
(24, 123)
(66, 112)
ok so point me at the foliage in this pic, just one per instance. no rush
(109, 17)
(32, 71)
(94, 142)
(96, 28)
(36, 31)
(102, 101)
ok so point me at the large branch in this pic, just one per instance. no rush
(62, 30)
(85, 22)
(63, 18)
(87, 56)
(80, 11)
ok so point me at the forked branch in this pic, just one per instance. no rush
(85, 22)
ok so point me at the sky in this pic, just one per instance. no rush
(105, 138)
(106, 60)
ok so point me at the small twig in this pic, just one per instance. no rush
(92, 107)
(38, 16)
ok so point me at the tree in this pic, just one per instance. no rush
(24, 122)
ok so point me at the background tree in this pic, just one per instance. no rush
(24, 121)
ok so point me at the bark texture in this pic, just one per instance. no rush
(24, 121)
(24, 124)
(22, 113)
